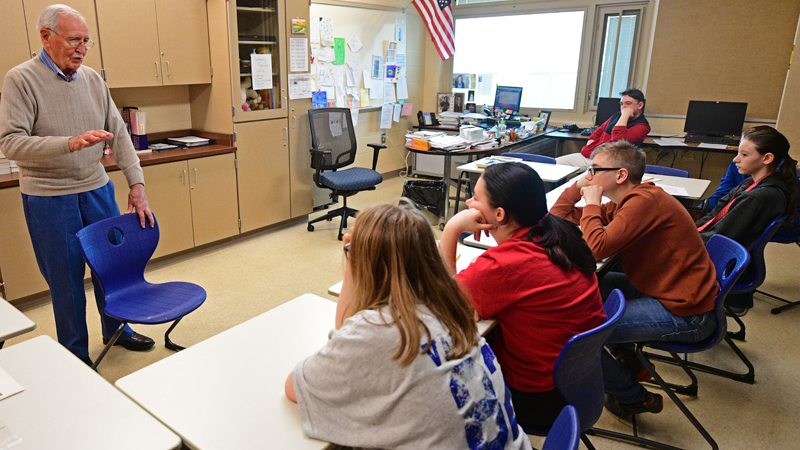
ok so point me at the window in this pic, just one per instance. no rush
(519, 50)
(617, 32)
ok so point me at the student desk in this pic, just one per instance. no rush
(227, 392)
(12, 322)
(549, 173)
(66, 405)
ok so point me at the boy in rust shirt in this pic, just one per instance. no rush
(669, 280)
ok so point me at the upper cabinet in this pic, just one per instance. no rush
(257, 38)
(154, 42)
(12, 22)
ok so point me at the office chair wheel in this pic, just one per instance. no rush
(340, 237)
(310, 227)
(441, 226)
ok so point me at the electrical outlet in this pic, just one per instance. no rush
(383, 138)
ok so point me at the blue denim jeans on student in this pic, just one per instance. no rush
(645, 319)
(52, 224)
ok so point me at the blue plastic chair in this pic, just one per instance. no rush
(578, 374)
(117, 250)
(532, 157)
(565, 431)
(663, 170)
(730, 259)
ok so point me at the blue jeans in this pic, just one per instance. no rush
(52, 224)
(645, 319)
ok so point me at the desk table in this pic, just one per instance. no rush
(12, 322)
(549, 173)
(66, 405)
(227, 392)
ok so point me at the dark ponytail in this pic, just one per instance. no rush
(519, 190)
(769, 140)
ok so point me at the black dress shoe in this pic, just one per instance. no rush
(137, 342)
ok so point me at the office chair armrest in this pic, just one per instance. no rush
(317, 155)
(376, 149)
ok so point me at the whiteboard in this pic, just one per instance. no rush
(372, 26)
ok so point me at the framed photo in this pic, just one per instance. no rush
(471, 96)
(471, 107)
(461, 80)
(444, 102)
(545, 115)
(458, 102)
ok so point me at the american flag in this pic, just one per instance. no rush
(438, 17)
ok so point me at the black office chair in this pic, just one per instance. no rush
(334, 146)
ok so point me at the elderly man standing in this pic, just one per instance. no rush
(55, 117)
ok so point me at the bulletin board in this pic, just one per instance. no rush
(372, 25)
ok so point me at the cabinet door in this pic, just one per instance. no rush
(17, 262)
(86, 7)
(263, 173)
(300, 172)
(167, 190)
(215, 211)
(183, 39)
(130, 42)
(12, 22)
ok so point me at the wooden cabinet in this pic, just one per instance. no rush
(12, 22)
(154, 42)
(215, 211)
(257, 30)
(263, 173)
(86, 7)
(17, 262)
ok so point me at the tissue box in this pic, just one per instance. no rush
(471, 133)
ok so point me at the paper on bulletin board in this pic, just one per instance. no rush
(377, 67)
(396, 113)
(352, 73)
(401, 54)
(484, 84)
(366, 78)
(391, 53)
(338, 49)
(376, 89)
(326, 54)
(338, 76)
(299, 85)
(355, 44)
(313, 25)
(261, 66)
(388, 93)
(319, 99)
(298, 55)
(299, 25)
(364, 99)
(330, 93)
(326, 31)
(402, 88)
(400, 30)
(324, 74)
(408, 108)
(341, 97)
(354, 116)
(386, 116)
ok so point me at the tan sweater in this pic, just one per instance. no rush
(39, 112)
(659, 246)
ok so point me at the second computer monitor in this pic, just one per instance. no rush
(606, 107)
(715, 118)
(507, 100)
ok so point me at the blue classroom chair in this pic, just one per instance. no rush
(564, 433)
(664, 170)
(532, 157)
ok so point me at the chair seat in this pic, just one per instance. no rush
(353, 179)
(148, 303)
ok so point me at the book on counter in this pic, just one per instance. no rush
(189, 141)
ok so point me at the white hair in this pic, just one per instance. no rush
(49, 17)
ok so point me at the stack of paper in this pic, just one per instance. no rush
(449, 143)
(424, 135)
(485, 144)
(7, 165)
(489, 160)
(670, 142)
(189, 141)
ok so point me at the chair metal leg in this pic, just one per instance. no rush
(635, 438)
(738, 335)
(110, 344)
(168, 342)
(780, 309)
(587, 442)
(748, 377)
(689, 389)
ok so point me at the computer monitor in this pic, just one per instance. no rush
(606, 107)
(715, 118)
(507, 100)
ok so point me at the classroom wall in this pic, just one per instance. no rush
(167, 107)
(788, 117)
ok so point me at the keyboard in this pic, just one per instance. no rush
(725, 140)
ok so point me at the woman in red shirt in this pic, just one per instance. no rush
(539, 283)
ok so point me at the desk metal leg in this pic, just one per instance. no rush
(446, 188)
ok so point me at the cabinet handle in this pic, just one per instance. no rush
(295, 122)
(285, 133)
(284, 102)
(169, 70)
(195, 174)
(157, 71)
(185, 177)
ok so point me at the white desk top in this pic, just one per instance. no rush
(549, 173)
(66, 405)
(695, 187)
(227, 392)
(13, 322)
